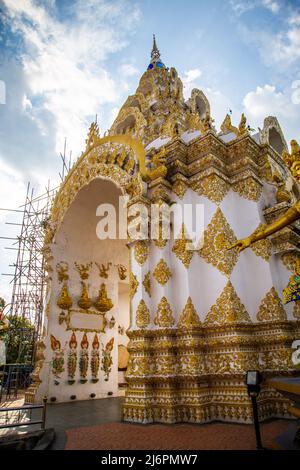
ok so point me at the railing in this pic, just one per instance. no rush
(19, 409)
(14, 377)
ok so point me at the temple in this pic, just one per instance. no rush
(173, 323)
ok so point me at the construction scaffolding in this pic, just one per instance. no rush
(28, 279)
(29, 275)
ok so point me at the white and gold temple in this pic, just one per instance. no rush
(192, 320)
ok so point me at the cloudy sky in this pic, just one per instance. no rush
(64, 61)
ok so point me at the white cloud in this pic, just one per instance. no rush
(191, 75)
(128, 70)
(243, 6)
(267, 100)
(271, 5)
(63, 61)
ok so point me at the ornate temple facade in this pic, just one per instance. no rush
(196, 319)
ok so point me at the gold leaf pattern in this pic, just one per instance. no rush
(262, 248)
(162, 273)
(189, 317)
(289, 259)
(164, 316)
(142, 315)
(141, 252)
(248, 188)
(213, 187)
(217, 236)
(296, 310)
(228, 309)
(134, 283)
(179, 188)
(147, 283)
(271, 308)
(180, 248)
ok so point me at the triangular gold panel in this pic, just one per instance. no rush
(228, 309)
(262, 248)
(134, 283)
(142, 318)
(271, 308)
(180, 248)
(217, 237)
(189, 317)
(248, 188)
(164, 316)
(213, 187)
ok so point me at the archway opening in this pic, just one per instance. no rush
(77, 243)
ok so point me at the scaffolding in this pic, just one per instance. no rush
(28, 279)
(29, 275)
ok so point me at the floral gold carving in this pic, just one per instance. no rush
(180, 247)
(296, 310)
(248, 188)
(179, 188)
(213, 187)
(142, 315)
(147, 283)
(262, 248)
(189, 317)
(217, 237)
(164, 316)
(141, 251)
(134, 283)
(162, 273)
(271, 308)
(227, 309)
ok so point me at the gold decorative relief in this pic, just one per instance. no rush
(271, 308)
(142, 315)
(122, 271)
(162, 273)
(179, 188)
(83, 269)
(147, 283)
(160, 242)
(296, 310)
(213, 187)
(62, 271)
(248, 188)
(217, 237)
(64, 301)
(180, 247)
(134, 283)
(262, 248)
(84, 301)
(103, 303)
(189, 317)
(103, 269)
(141, 251)
(164, 316)
(228, 309)
(289, 259)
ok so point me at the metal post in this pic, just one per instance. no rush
(256, 423)
(44, 412)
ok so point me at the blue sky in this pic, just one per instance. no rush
(64, 61)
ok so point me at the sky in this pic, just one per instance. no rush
(64, 61)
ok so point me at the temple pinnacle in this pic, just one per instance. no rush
(155, 56)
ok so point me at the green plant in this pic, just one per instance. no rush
(18, 339)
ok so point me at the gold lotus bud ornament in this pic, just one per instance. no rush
(64, 301)
(103, 304)
(84, 301)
